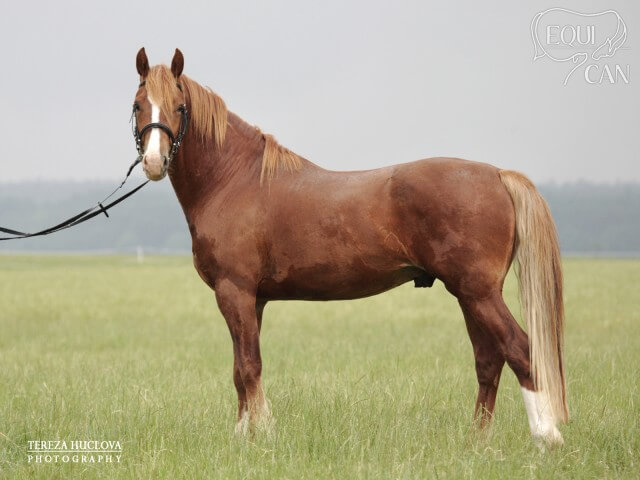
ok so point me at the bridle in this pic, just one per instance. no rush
(176, 140)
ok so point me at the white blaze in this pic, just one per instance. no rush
(153, 145)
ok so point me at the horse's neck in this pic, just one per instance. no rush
(203, 170)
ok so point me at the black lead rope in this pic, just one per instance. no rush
(83, 216)
(89, 213)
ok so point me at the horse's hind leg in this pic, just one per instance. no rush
(489, 363)
(493, 318)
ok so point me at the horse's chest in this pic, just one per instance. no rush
(206, 266)
(236, 256)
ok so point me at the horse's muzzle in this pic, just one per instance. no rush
(155, 166)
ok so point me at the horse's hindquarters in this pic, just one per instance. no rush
(457, 221)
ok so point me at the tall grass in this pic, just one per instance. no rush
(104, 348)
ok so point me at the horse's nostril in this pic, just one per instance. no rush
(144, 161)
(165, 160)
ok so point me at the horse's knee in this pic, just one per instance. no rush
(249, 373)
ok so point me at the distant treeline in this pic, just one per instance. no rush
(591, 218)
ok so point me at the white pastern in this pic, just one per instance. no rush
(153, 146)
(541, 422)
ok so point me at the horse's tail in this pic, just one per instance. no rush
(540, 276)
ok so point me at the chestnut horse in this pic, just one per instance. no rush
(267, 224)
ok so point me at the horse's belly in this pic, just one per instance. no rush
(331, 282)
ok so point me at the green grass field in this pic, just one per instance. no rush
(106, 349)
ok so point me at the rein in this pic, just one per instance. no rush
(89, 213)
(81, 217)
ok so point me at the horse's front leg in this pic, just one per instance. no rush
(243, 315)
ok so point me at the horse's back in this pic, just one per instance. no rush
(380, 228)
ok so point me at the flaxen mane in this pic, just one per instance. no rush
(276, 157)
(208, 118)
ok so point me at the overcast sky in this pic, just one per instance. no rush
(348, 85)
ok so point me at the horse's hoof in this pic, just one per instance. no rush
(242, 427)
(265, 427)
(248, 427)
(552, 438)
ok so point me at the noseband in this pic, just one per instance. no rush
(176, 140)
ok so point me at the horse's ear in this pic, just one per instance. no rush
(177, 64)
(142, 63)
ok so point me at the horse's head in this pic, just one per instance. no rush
(160, 114)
